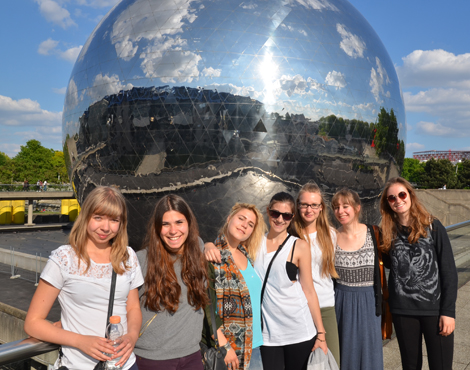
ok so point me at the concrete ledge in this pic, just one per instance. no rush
(22, 260)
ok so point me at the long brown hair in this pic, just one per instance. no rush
(253, 243)
(323, 231)
(419, 216)
(162, 291)
(104, 201)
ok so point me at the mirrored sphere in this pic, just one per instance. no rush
(224, 101)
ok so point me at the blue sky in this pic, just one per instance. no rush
(427, 42)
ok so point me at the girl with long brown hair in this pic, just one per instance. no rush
(175, 291)
(79, 274)
(312, 225)
(358, 300)
(423, 277)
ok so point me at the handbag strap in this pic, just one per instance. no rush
(267, 275)
(383, 277)
(214, 329)
(111, 298)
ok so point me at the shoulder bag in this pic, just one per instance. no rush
(213, 358)
(386, 324)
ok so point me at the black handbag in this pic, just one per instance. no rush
(213, 357)
(101, 365)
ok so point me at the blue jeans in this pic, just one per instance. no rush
(255, 362)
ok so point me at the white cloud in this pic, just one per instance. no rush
(336, 79)
(10, 149)
(54, 13)
(351, 44)
(379, 78)
(71, 54)
(71, 99)
(434, 129)
(435, 68)
(293, 85)
(249, 5)
(98, 3)
(414, 146)
(60, 91)
(106, 85)
(25, 112)
(48, 46)
(315, 4)
(211, 72)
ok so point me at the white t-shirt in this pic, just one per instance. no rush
(323, 285)
(84, 298)
(286, 315)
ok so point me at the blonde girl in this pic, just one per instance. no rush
(79, 275)
(312, 225)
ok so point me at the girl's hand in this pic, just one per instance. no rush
(212, 253)
(231, 360)
(446, 325)
(322, 344)
(125, 348)
(95, 346)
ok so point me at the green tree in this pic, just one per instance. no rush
(5, 168)
(413, 170)
(439, 173)
(463, 173)
(33, 162)
(386, 136)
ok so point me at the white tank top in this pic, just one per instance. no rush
(286, 316)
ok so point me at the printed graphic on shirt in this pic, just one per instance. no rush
(416, 272)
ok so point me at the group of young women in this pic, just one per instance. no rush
(278, 295)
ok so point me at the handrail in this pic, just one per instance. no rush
(23, 349)
(458, 226)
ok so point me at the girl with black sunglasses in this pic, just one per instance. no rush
(423, 277)
(291, 317)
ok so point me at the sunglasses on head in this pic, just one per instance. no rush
(392, 198)
(275, 214)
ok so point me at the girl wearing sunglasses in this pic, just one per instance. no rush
(358, 300)
(291, 317)
(312, 225)
(423, 277)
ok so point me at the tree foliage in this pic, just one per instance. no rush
(413, 170)
(33, 162)
(463, 174)
(438, 173)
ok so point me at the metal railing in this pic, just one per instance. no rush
(24, 349)
(34, 187)
(27, 348)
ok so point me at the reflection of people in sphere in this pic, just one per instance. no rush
(423, 277)
(79, 275)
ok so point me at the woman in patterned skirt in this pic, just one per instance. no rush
(358, 291)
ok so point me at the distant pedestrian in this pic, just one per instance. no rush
(38, 186)
(25, 185)
(44, 186)
(444, 187)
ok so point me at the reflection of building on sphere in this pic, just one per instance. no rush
(227, 101)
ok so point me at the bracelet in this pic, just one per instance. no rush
(321, 340)
(321, 332)
(227, 346)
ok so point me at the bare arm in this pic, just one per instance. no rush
(38, 327)
(212, 253)
(134, 323)
(303, 258)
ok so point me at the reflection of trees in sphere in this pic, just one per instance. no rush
(223, 101)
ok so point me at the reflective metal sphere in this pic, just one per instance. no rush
(222, 101)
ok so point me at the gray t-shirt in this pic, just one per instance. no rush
(169, 335)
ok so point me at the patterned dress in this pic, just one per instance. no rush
(358, 326)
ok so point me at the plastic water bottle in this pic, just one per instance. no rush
(114, 332)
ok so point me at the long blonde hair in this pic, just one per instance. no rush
(105, 201)
(253, 243)
(419, 216)
(323, 231)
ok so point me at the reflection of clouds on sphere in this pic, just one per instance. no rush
(223, 101)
